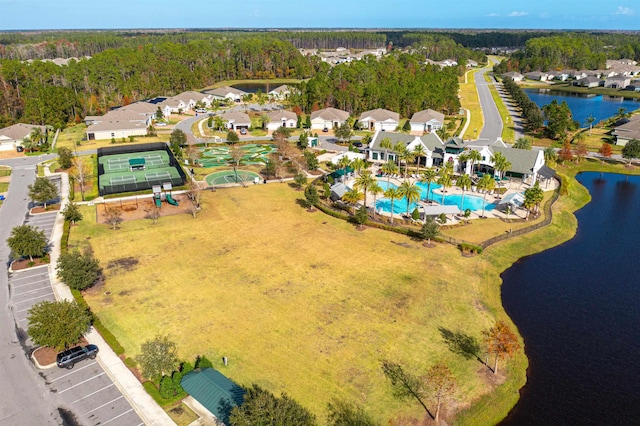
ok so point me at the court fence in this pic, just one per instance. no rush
(106, 187)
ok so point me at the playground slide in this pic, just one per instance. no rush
(171, 200)
(158, 202)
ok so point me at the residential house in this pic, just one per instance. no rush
(589, 81)
(282, 118)
(613, 63)
(617, 82)
(117, 125)
(236, 120)
(184, 101)
(537, 76)
(563, 75)
(578, 74)
(627, 131)
(281, 92)
(328, 118)
(349, 154)
(223, 93)
(11, 137)
(513, 75)
(427, 120)
(471, 63)
(633, 88)
(379, 119)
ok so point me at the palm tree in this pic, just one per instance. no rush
(392, 194)
(389, 168)
(463, 158)
(523, 143)
(419, 152)
(344, 164)
(406, 157)
(590, 120)
(37, 136)
(386, 145)
(445, 180)
(375, 190)
(475, 157)
(429, 176)
(364, 181)
(398, 148)
(358, 164)
(410, 191)
(464, 183)
(486, 183)
(550, 155)
(352, 197)
(500, 163)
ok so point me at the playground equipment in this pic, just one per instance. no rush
(157, 195)
(167, 188)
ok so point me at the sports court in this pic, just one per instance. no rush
(221, 155)
(229, 177)
(120, 171)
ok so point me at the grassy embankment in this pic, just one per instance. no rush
(469, 100)
(72, 136)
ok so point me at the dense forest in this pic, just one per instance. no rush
(399, 82)
(572, 51)
(131, 67)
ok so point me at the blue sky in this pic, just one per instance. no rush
(544, 14)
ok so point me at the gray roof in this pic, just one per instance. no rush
(281, 89)
(629, 130)
(427, 115)
(236, 117)
(139, 108)
(522, 160)
(282, 115)
(330, 114)
(20, 131)
(516, 199)
(431, 141)
(223, 91)
(338, 190)
(108, 125)
(380, 114)
(438, 209)
(455, 142)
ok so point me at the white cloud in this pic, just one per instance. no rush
(493, 14)
(622, 10)
(518, 14)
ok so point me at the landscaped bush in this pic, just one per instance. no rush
(167, 389)
(203, 362)
(470, 248)
(177, 378)
(186, 367)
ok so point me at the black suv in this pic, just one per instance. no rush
(68, 358)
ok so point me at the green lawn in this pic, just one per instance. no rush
(469, 100)
(508, 130)
(304, 303)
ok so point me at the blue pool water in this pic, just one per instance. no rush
(471, 202)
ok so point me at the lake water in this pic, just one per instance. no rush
(578, 308)
(582, 106)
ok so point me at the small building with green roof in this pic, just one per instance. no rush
(214, 391)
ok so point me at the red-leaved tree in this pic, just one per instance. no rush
(501, 341)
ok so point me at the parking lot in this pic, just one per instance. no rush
(87, 390)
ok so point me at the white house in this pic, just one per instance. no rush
(379, 119)
(427, 120)
(515, 76)
(433, 147)
(236, 120)
(281, 92)
(328, 118)
(282, 118)
(117, 126)
(11, 137)
(617, 82)
(222, 93)
(349, 154)
(184, 101)
(627, 131)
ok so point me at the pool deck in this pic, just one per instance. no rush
(512, 185)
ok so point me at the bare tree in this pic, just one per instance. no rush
(114, 217)
(193, 154)
(153, 214)
(81, 173)
(441, 385)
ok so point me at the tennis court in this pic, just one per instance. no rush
(123, 169)
(229, 177)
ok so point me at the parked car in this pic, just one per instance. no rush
(325, 130)
(243, 131)
(201, 110)
(357, 144)
(19, 148)
(161, 124)
(68, 358)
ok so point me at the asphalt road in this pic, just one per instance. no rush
(24, 398)
(492, 121)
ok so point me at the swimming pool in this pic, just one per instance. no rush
(471, 202)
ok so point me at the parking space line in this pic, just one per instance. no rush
(126, 412)
(32, 291)
(93, 393)
(33, 298)
(103, 405)
(32, 283)
(27, 276)
(82, 382)
(74, 371)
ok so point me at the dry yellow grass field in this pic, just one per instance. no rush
(299, 302)
(469, 100)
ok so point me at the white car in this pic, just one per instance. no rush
(161, 124)
(201, 110)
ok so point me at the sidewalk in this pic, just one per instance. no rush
(121, 376)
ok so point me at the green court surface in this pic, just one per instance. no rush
(221, 155)
(228, 176)
(136, 168)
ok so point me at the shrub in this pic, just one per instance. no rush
(177, 378)
(470, 248)
(186, 367)
(167, 389)
(415, 214)
(78, 271)
(203, 362)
